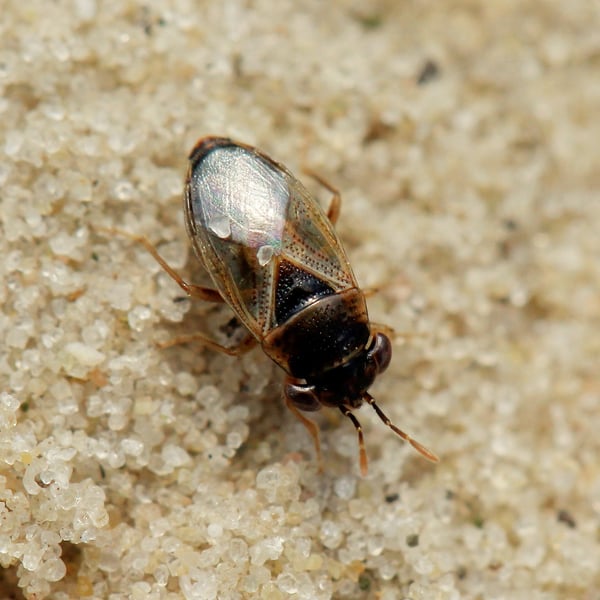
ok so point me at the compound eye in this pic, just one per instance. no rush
(381, 352)
(302, 397)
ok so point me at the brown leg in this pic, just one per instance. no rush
(336, 202)
(371, 291)
(238, 349)
(385, 329)
(195, 291)
(362, 453)
(312, 428)
(397, 280)
(391, 333)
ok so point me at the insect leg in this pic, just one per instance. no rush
(385, 329)
(333, 212)
(391, 333)
(364, 465)
(311, 426)
(371, 291)
(236, 350)
(195, 291)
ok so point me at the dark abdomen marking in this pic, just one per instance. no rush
(296, 289)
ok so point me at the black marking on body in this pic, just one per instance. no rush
(296, 289)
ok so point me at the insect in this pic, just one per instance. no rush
(275, 259)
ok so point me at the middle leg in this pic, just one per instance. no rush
(335, 206)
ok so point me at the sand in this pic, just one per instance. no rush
(464, 137)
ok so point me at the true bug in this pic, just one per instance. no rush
(275, 259)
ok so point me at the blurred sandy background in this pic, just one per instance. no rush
(464, 136)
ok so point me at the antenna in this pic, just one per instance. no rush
(428, 454)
